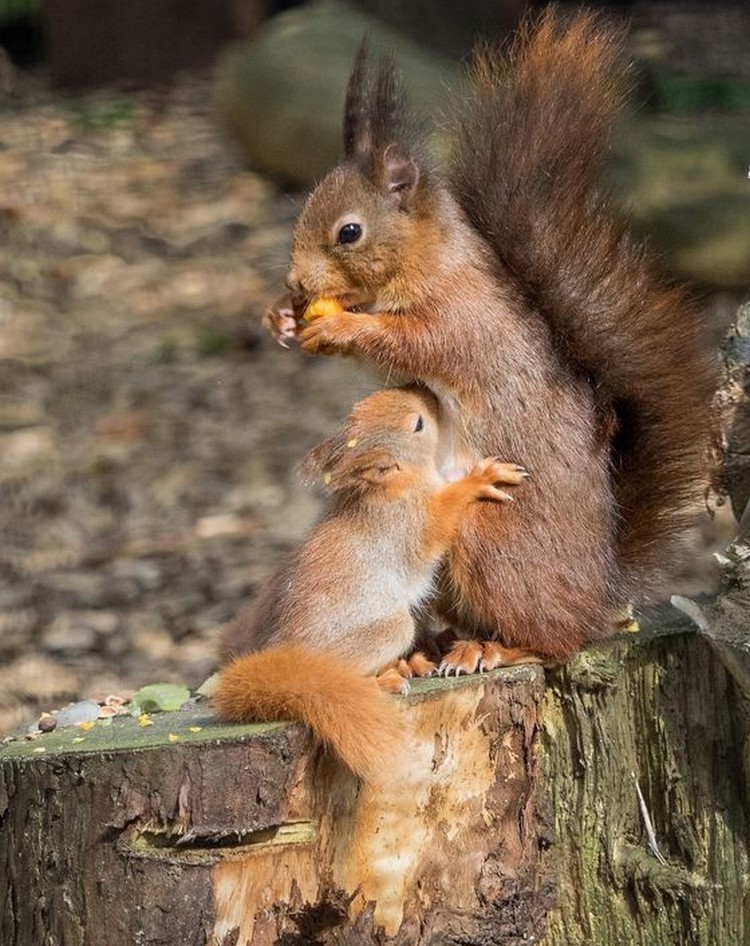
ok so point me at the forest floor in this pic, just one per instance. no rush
(149, 432)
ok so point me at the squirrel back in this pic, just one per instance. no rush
(530, 142)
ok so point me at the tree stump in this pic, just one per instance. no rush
(189, 832)
(662, 716)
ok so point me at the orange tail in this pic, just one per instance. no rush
(346, 711)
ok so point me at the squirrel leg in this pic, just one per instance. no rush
(395, 678)
(388, 340)
(420, 665)
(448, 505)
(377, 648)
(282, 318)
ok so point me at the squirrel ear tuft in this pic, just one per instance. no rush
(399, 174)
(316, 466)
(379, 134)
(357, 124)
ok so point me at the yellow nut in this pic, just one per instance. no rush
(322, 306)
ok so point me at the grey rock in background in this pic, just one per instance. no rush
(281, 94)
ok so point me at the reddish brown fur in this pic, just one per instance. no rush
(346, 710)
(613, 317)
(514, 294)
(341, 604)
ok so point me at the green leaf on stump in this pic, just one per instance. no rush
(159, 697)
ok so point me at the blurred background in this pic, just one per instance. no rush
(153, 157)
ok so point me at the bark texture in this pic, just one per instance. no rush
(660, 714)
(242, 835)
(189, 833)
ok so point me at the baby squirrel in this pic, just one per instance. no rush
(339, 607)
(509, 287)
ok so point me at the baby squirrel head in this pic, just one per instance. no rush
(389, 440)
(359, 222)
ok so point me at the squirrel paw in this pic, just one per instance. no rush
(281, 318)
(463, 657)
(391, 680)
(332, 334)
(473, 656)
(495, 655)
(491, 471)
(421, 666)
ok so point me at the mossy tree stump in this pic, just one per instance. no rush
(191, 833)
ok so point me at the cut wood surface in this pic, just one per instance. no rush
(509, 815)
(243, 835)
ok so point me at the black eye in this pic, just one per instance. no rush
(419, 424)
(349, 233)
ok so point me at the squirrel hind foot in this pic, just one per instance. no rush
(395, 678)
(420, 665)
(471, 656)
(463, 657)
(393, 681)
(495, 655)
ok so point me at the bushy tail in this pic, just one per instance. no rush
(529, 148)
(346, 711)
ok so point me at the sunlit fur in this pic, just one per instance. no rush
(340, 607)
(511, 289)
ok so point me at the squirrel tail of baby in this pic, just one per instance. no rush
(530, 144)
(348, 712)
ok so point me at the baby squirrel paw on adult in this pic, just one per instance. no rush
(491, 471)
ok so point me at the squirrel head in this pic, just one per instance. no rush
(358, 223)
(389, 440)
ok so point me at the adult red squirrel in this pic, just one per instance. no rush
(340, 607)
(510, 288)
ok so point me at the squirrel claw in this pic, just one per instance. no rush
(421, 666)
(495, 655)
(475, 656)
(391, 681)
(463, 657)
(282, 318)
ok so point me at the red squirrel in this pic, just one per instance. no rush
(508, 285)
(339, 608)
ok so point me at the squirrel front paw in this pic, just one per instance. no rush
(332, 334)
(489, 472)
(282, 317)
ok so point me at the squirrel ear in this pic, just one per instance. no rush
(399, 174)
(379, 473)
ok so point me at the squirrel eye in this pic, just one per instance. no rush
(349, 233)
(419, 426)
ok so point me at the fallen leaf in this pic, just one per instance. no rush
(159, 697)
